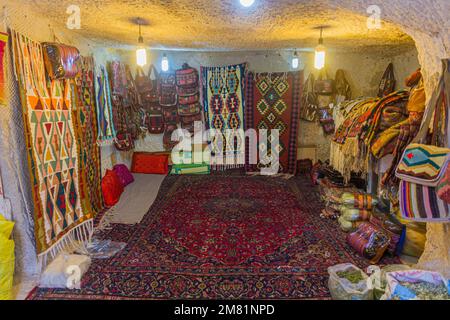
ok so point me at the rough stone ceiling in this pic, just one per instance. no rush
(223, 24)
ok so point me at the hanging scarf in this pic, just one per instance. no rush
(85, 120)
(106, 130)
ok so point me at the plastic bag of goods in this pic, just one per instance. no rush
(390, 224)
(352, 214)
(415, 237)
(6, 259)
(378, 277)
(359, 200)
(65, 271)
(348, 226)
(416, 285)
(348, 282)
(370, 241)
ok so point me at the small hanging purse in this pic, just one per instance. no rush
(189, 109)
(124, 141)
(423, 166)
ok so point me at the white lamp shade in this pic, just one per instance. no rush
(165, 64)
(319, 57)
(294, 62)
(141, 57)
(247, 3)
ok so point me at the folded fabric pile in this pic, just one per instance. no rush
(355, 208)
(367, 121)
(331, 195)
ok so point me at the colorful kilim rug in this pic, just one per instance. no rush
(223, 102)
(3, 46)
(85, 120)
(105, 121)
(222, 237)
(273, 103)
(52, 151)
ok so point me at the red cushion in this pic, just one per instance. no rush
(150, 163)
(112, 188)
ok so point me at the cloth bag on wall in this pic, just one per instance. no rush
(309, 110)
(424, 164)
(60, 60)
(324, 85)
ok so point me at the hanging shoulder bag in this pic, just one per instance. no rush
(309, 110)
(324, 85)
(144, 85)
(60, 60)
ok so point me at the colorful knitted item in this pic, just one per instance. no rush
(85, 125)
(106, 129)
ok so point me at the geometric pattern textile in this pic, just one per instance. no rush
(85, 123)
(52, 147)
(223, 102)
(423, 163)
(221, 237)
(273, 103)
(3, 46)
(105, 121)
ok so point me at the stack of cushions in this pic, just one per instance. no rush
(114, 182)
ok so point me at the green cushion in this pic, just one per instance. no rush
(195, 168)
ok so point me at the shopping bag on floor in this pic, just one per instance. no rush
(6, 259)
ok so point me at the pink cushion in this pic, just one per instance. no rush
(124, 174)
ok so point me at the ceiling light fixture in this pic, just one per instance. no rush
(141, 52)
(247, 3)
(295, 60)
(165, 63)
(319, 56)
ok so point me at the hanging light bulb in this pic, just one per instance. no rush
(141, 52)
(295, 60)
(247, 3)
(319, 56)
(165, 63)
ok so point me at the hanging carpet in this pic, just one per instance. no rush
(223, 103)
(85, 125)
(273, 102)
(52, 152)
(222, 237)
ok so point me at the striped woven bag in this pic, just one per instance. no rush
(423, 167)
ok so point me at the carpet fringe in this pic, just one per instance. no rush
(74, 240)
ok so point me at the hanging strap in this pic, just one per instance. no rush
(431, 106)
(153, 69)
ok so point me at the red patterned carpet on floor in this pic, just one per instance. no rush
(221, 237)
